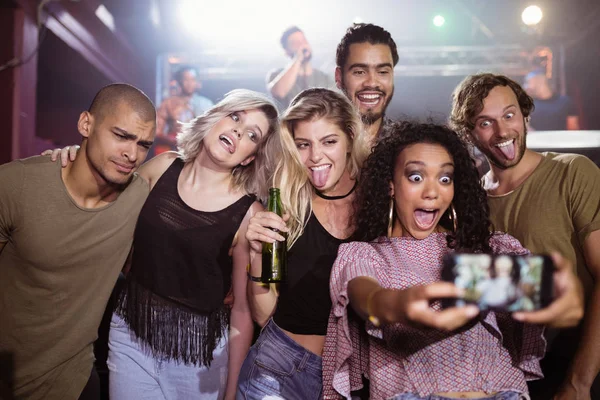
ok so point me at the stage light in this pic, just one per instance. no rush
(188, 13)
(532, 15)
(106, 17)
(439, 20)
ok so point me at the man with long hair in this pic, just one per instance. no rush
(549, 201)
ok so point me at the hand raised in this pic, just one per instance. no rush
(568, 306)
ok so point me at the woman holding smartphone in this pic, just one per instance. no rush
(420, 199)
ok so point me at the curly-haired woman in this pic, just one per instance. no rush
(409, 217)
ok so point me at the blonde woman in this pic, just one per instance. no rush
(324, 147)
(175, 332)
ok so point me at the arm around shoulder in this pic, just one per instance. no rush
(153, 169)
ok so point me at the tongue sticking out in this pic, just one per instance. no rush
(320, 176)
(508, 151)
(424, 218)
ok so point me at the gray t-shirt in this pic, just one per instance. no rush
(316, 79)
(57, 271)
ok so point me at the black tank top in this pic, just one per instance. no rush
(181, 272)
(304, 302)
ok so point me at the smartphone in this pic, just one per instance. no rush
(500, 282)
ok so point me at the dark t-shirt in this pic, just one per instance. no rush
(551, 114)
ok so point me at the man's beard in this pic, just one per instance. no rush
(370, 117)
(520, 152)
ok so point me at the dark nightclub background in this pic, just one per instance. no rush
(80, 46)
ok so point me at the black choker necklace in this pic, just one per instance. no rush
(324, 196)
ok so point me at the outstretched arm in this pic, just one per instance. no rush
(384, 306)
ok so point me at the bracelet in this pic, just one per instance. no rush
(372, 318)
(254, 278)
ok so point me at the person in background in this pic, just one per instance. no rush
(548, 201)
(186, 105)
(285, 83)
(552, 112)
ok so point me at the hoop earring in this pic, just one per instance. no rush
(453, 217)
(391, 217)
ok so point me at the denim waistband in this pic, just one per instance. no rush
(288, 347)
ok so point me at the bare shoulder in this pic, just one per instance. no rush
(240, 236)
(255, 208)
(252, 210)
(153, 169)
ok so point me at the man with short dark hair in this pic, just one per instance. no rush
(285, 83)
(548, 201)
(365, 61)
(65, 235)
(183, 107)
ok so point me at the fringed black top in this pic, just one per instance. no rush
(181, 273)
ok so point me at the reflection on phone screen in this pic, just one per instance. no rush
(507, 283)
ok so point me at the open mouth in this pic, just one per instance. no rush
(319, 174)
(425, 218)
(370, 99)
(228, 143)
(507, 149)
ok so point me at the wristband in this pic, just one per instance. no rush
(251, 277)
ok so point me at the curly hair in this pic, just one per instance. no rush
(364, 33)
(470, 202)
(467, 100)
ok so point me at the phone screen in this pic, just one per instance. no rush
(502, 282)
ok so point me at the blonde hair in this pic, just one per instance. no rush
(254, 177)
(291, 176)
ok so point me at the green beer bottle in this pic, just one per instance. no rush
(274, 255)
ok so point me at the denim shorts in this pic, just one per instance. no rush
(136, 374)
(277, 367)
(498, 396)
